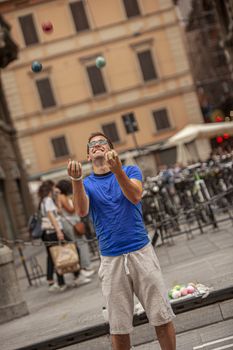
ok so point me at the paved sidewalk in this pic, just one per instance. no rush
(206, 258)
(216, 336)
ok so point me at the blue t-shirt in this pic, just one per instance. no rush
(118, 222)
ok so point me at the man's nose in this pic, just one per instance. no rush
(97, 145)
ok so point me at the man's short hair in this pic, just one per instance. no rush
(99, 134)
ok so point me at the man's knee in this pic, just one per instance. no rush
(121, 341)
(164, 328)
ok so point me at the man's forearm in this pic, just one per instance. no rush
(80, 199)
(131, 191)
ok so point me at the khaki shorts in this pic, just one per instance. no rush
(137, 272)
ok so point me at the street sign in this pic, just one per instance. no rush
(130, 123)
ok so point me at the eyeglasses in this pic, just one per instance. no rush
(98, 142)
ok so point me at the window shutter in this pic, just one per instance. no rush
(29, 30)
(161, 119)
(60, 147)
(131, 8)
(46, 93)
(96, 80)
(79, 16)
(110, 130)
(147, 65)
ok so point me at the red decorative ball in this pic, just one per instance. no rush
(47, 27)
(226, 136)
(218, 119)
(219, 139)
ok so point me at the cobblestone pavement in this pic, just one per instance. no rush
(207, 258)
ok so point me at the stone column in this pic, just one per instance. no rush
(12, 304)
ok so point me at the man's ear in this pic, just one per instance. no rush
(88, 158)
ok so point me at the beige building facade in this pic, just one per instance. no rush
(15, 200)
(146, 80)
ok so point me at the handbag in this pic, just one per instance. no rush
(35, 225)
(65, 258)
(79, 227)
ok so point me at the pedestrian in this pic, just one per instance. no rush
(112, 195)
(69, 220)
(52, 233)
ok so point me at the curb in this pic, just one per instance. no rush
(196, 303)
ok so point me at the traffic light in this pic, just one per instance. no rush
(130, 123)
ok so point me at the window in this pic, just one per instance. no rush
(110, 130)
(60, 147)
(131, 8)
(79, 16)
(147, 65)
(161, 119)
(96, 80)
(29, 30)
(46, 93)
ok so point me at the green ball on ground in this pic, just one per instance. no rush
(170, 294)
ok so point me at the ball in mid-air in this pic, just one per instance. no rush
(36, 66)
(47, 27)
(100, 62)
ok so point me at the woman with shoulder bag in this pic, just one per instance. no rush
(74, 227)
(52, 232)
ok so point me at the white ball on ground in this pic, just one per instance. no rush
(176, 294)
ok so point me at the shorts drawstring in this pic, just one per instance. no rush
(125, 263)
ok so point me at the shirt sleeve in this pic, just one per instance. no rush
(85, 184)
(49, 204)
(134, 172)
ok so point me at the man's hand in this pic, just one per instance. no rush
(80, 199)
(113, 161)
(74, 169)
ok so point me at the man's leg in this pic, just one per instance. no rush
(117, 288)
(166, 336)
(121, 341)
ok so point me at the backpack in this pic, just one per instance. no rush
(35, 225)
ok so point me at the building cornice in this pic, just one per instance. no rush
(97, 114)
(8, 6)
(95, 45)
(111, 94)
